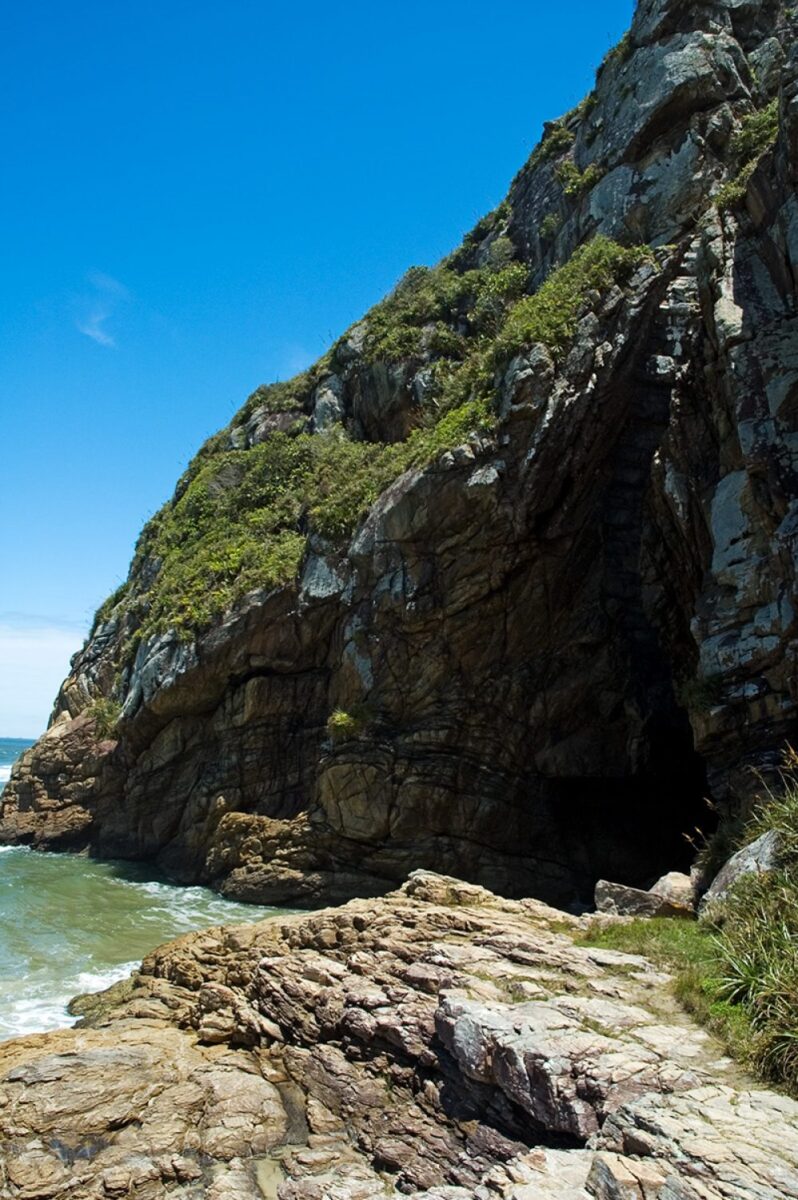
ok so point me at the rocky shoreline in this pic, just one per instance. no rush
(439, 1042)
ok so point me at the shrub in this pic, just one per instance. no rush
(105, 714)
(575, 182)
(439, 297)
(556, 140)
(617, 56)
(550, 226)
(343, 726)
(107, 607)
(550, 315)
(757, 133)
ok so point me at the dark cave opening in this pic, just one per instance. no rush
(634, 829)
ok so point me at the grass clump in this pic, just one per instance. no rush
(429, 300)
(107, 607)
(754, 138)
(575, 182)
(617, 56)
(550, 226)
(556, 140)
(105, 713)
(343, 726)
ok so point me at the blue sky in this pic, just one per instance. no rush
(197, 198)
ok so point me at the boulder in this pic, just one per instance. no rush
(757, 857)
(618, 900)
(676, 887)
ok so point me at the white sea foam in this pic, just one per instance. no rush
(41, 1009)
(5, 773)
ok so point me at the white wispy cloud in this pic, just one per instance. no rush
(92, 326)
(34, 659)
(98, 308)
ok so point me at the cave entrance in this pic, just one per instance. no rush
(634, 829)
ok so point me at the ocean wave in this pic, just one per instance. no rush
(38, 1013)
(5, 773)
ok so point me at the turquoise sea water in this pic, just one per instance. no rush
(69, 924)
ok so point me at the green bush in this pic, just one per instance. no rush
(343, 726)
(575, 182)
(428, 300)
(757, 133)
(617, 56)
(105, 715)
(557, 139)
(107, 607)
(550, 226)
(551, 314)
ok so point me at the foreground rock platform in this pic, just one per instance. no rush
(440, 1043)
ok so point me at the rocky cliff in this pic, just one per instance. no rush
(504, 585)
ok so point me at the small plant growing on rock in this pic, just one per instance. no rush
(556, 140)
(344, 726)
(551, 314)
(105, 713)
(755, 136)
(617, 56)
(575, 182)
(550, 226)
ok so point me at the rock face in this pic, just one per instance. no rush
(439, 1043)
(551, 641)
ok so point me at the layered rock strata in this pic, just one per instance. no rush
(438, 1043)
(553, 640)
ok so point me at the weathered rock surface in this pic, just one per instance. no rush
(758, 856)
(666, 899)
(563, 636)
(440, 1043)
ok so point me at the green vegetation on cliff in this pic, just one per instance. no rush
(240, 518)
(755, 136)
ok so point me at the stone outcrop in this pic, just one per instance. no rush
(439, 1043)
(556, 638)
(666, 899)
